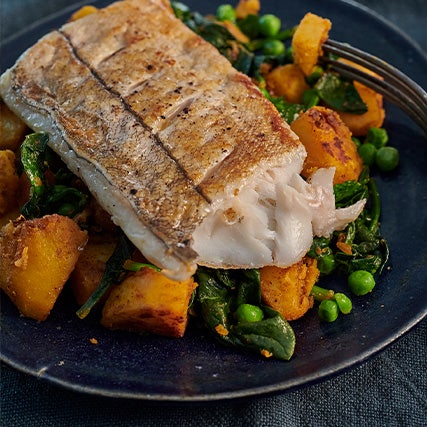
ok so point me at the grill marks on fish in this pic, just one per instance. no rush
(157, 123)
(208, 116)
(154, 137)
(99, 128)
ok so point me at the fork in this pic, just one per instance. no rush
(394, 85)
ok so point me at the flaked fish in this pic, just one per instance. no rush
(186, 154)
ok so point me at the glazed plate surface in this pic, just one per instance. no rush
(197, 368)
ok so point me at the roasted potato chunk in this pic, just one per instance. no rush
(287, 290)
(82, 12)
(287, 81)
(90, 266)
(37, 257)
(148, 301)
(328, 143)
(12, 129)
(247, 7)
(9, 182)
(307, 41)
(359, 124)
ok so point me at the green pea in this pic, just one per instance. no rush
(269, 25)
(273, 48)
(328, 310)
(377, 137)
(226, 12)
(367, 152)
(361, 282)
(326, 264)
(387, 158)
(249, 313)
(344, 302)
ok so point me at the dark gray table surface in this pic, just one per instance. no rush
(388, 390)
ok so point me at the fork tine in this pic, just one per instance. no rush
(398, 97)
(375, 64)
(391, 83)
(396, 86)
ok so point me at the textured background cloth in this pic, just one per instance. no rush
(388, 390)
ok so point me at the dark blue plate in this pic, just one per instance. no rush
(196, 368)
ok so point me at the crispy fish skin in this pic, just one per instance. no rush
(156, 122)
(103, 142)
(209, 117)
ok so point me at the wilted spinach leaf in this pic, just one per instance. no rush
(219, 294)
(47, 198)
(340, 94)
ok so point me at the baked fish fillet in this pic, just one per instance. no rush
(184, 152)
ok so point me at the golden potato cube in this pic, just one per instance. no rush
(82, 12)
(37, 257)
(307, 41)
(247, 7)
(287, 290)
(9, 182)
(328, 143)
(359, 124)
(9, 216)
(90, 267)
(148, 301)
(287, 81)
(12, 129)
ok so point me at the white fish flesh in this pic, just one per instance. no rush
(184, 152)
